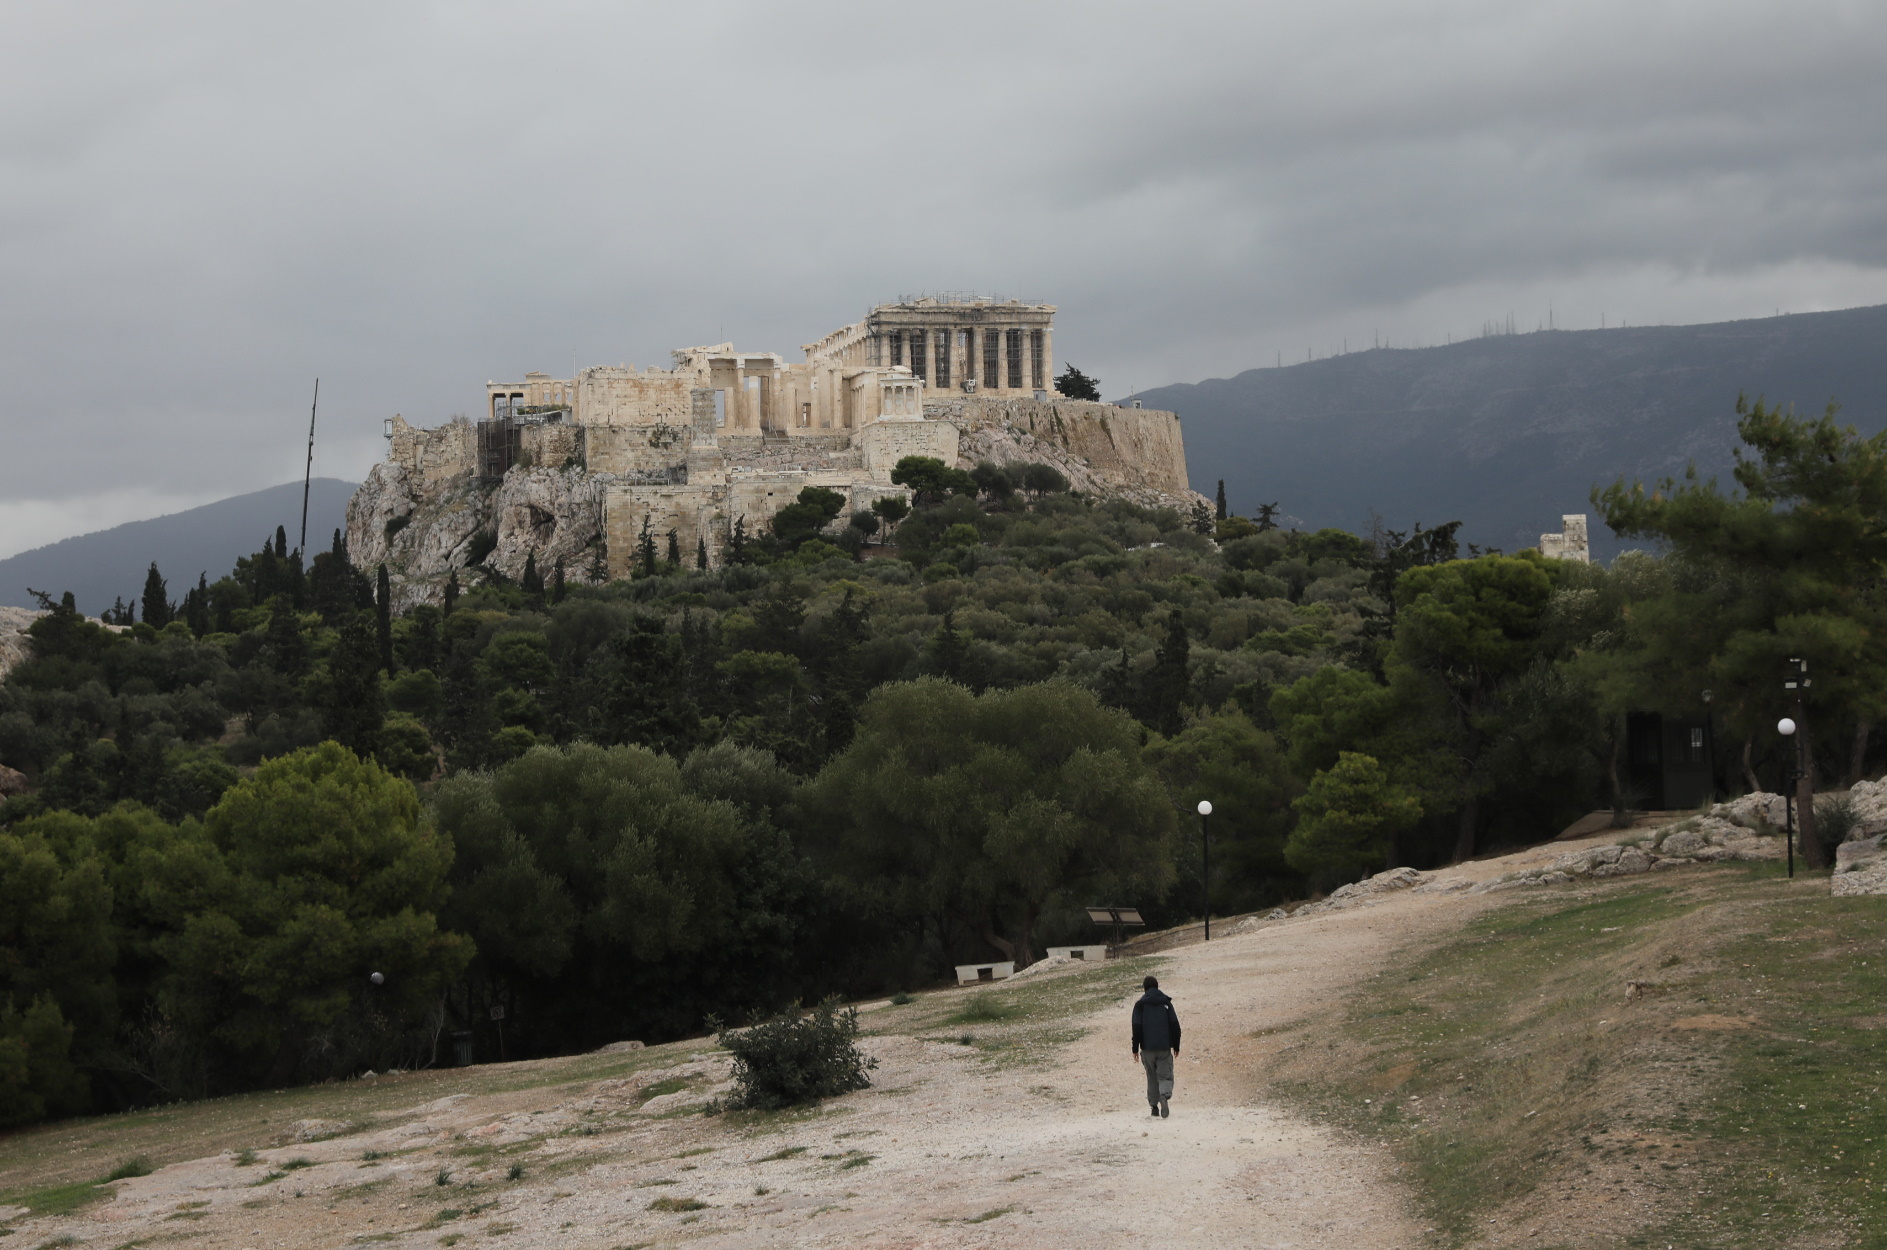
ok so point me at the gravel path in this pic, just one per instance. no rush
(946, 1149)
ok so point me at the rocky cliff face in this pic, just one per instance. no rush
(15, 646)
(1131, 453)
(422, 529)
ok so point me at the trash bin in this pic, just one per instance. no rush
(462, 1048)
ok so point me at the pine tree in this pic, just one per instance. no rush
(674, 549)
(158, 609)
(556, 581)
(1267, 517)
(383, 618)
(1219, 513)
(701, 551)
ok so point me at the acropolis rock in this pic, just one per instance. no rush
(571, 469)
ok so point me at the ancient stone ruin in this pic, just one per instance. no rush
(572, 469)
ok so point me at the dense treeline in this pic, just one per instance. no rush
(863, 750)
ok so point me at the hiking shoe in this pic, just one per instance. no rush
(1163, 1109)
(1156, 1113)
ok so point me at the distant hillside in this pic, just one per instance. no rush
(1506, 433)
(98, 568)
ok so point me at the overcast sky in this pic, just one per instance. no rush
(203, 206)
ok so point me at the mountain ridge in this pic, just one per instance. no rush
(111, 563)
(1508, 432)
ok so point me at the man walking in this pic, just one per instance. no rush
(1156, 1043)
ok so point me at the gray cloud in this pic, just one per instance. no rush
(203, 205)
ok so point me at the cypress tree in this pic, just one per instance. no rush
(281, 543)
(383, 618)
(701, 551)
(197, 606)
(158, 609)
(950, 650)
(674, 550)
(645, 550)
(556, 581)
(533, 581)
(452, 592)
(1219, 514)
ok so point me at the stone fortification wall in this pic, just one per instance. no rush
(884, 443)
(435, 455)
(1127, 449)
(636, 449)
(553, 446)
(609, 395)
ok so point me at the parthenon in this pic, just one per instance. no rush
(872, 368)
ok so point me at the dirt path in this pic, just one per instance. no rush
(950, 1147)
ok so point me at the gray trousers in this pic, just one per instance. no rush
(1159, 1066)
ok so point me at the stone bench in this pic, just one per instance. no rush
(1095, 953)
(970, 974)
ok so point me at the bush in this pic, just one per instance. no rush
(794, 1060)
(1835, 819)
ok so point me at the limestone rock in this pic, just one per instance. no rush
(1752, 810)
(15, 646)
(12, 782)
(423, 530)
(615, 1048)
(1869, 800)
(1860, 867)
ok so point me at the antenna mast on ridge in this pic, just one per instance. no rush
(308, 473)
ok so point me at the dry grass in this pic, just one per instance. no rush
(1686, 1060)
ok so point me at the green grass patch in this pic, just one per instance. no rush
(138, 1165)
(677, 1205)
(986, 1007)
(56, 1199)
(673, 1085)
(777, 1155)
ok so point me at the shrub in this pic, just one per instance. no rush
(140, 1166)
(1835, 819)
(794, 1060)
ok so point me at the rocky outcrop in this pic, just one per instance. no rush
(1134, 454)
(423, 529)
(15, 646)
(1860, 867)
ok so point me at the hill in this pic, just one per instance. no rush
(1507, 432)
(98, 568)
(1682, 1057)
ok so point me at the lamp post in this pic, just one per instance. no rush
(1710, 745)
(1205, 849)
(1786, 728)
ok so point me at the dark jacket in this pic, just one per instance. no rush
(1156, 1024)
